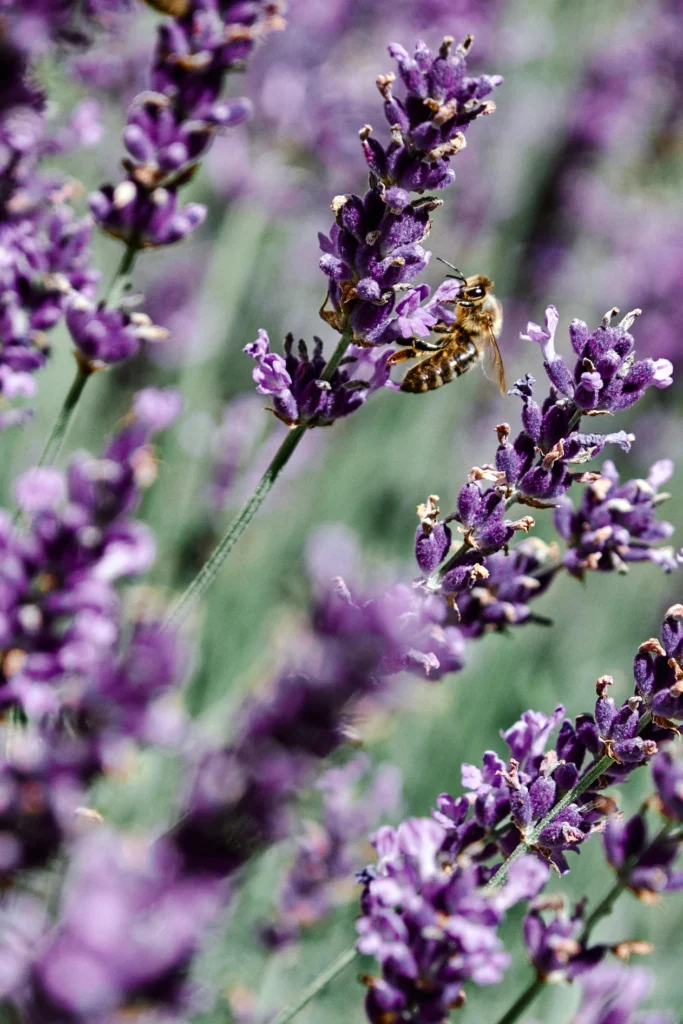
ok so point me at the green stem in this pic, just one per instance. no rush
(525, 999)
(206, 575)
(316, 986)
(122, 272)
(61, 425)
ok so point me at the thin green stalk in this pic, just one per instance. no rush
(520, 1005)
(206, 575)
(316, 986)
(61, 425)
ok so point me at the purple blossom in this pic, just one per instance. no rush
(611, 995)
(606, 377)
(428, 923)
(486, 581)
(615, 523)
(374, 249)
(556, 948)
(172, 124)
(644, 864)
(295, 382)
(154, 917)
(329, 853)
(108, 336)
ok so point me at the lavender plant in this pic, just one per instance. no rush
(103, 922)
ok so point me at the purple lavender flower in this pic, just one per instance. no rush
(485, 581)
(172, 125)
(328, 854)
(611, 994)
(667, 775)
(556, 948)
(104, 336)
(606, 377)
(155, 919)
(242, 793)
(426, 920)
(644, 864)
(300, 395)
(658, 671)
(375, 247)
(45, 249)
(615, 523)
(59, 612)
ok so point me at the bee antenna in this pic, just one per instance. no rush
(458, 275)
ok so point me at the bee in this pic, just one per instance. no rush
(471, 338)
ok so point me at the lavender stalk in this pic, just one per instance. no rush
(206, 575)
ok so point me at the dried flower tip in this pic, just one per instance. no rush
(630, 947)
(629, 319)
(466, 45)
(524, 524)
(652, 646)
(449, 148)
(609, 316)
(89, 815)
(487, 472)
(428, 513)
(384, 83)
(503, 430)
(478, 572)
(555, 453)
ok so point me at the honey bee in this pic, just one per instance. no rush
(471, 338)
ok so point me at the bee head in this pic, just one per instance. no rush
(474, 290)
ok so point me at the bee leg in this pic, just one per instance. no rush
(402, 355)
(442, 329)
(427, 346)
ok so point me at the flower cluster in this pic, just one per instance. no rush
(36, 25)
(611, 995)
(328, 854)
(298, 388)
(486, 582)
(172, 124)
(375, 247)
(241, 793)
(430, 905)
(106, 336)
(85, 686)
(45, 248)
(615, 523)
(155, 919)
(430, 925)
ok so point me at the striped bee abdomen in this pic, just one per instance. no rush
(451, 361)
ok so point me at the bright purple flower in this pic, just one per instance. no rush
(429, 924)
(128, 929)
(296, 386)
(667, 774)
(615, 523)
(374, 249)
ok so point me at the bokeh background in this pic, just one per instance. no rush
(569, 194)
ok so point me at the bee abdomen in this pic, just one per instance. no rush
(439, 369)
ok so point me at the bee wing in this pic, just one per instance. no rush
(491, 359)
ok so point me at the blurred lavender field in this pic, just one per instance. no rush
(571, 195)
